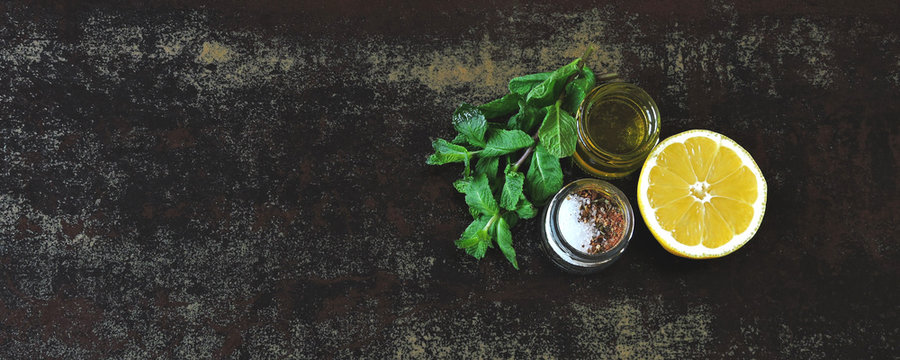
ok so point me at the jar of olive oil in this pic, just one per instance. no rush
(618, 125)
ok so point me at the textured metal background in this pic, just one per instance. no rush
(187, 180)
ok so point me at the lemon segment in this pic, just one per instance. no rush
(701, 194)
(675, 159)
(726, 163)
(737, 214)
(702, 152)
(740, 185)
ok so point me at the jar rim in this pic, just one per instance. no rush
(618, 87)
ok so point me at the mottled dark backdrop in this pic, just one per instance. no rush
(247, 180)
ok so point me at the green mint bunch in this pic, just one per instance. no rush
(534, 121)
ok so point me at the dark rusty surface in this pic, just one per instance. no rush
(236, 180)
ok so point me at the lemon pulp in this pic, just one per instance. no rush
(701, 194)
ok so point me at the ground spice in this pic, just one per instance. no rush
(607, 219)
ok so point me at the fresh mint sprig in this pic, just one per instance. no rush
(490, 133)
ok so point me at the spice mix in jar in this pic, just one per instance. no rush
(587, 226)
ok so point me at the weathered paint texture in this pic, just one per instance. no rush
(233, 181)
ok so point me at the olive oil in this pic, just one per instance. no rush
(618, 125)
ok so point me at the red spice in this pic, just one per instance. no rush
(609, 221)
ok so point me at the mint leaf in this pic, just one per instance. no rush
(526, 118)
(470, 122)
(462, 185)
(514, 121)
(505, 141)
(535, 117)
(470, 235)
(480, 198)
(504, 241)
(578, 89)
(480, 248)
(574, 96)
(476, 239)
(512, 188)
(488, 166)
(445, 152)
(544, 177)
(511, 218)
(506, 105)
(524, 208)
(484, 235)
(558, 133)
(459, 139)
(548, 91)
(522, 85)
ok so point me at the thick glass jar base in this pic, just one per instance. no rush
(599, 171)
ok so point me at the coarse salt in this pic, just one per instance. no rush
(576, 233)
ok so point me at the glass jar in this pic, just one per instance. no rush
(618, 125)
(557, 240)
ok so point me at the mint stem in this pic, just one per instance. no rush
(607, 77)
(527, 153)
(587, 53)
(487, 227)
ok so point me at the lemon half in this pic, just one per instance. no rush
(701, 194)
